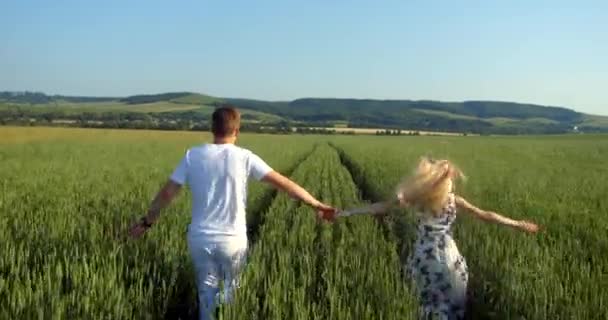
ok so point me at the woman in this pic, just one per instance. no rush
(437, 268)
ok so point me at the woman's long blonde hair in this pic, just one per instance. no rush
(428, 188)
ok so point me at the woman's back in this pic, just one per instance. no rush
(430, 224)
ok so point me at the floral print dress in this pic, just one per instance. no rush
(437, 268)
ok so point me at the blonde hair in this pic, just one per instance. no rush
(428, 188)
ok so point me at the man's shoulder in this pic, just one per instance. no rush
(234, 149)
(243, 150)
(249, 156)
(196, 149)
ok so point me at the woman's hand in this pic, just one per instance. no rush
(401, 200)
(326, 212)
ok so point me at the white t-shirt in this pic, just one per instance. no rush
(217, 175)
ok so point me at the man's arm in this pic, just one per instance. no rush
(283, 183)
(162, 199)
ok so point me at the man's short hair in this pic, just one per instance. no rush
(225, 121)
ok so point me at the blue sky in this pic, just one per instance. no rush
(545, 52)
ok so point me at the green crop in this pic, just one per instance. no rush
(69, 195)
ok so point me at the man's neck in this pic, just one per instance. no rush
(224, 140)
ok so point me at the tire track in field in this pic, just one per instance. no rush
(363, 268)
(367, 193)
(303, 269)
(279, 280)
(255, 219)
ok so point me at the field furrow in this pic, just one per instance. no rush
(301, 269)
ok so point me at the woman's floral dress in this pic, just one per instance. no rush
(437, 268)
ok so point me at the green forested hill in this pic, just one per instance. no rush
(467, 116)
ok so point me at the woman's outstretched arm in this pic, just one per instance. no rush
(377, 208)
(494, 217)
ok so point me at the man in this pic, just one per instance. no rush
(217, 175)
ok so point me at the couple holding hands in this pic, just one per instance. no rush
(217, 174)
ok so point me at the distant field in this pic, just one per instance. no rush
(375, 130)
(69, 195)
(198, 99)
(494, 120)
(446, 114)
(112, 106)
(164, 107)
(529, 121)
(595, 121)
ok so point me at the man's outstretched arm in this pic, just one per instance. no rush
(283, 183)
(162, 199)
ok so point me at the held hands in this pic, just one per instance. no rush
(527, 226)
(401, 200)
(326, 212)
(139, 228)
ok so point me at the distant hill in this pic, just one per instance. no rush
(28, 97)
(175, 97)
(310, 107)
(468, 116)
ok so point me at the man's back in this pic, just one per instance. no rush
(217, 175)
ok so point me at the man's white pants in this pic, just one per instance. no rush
(217, 258)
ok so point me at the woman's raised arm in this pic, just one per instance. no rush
(494, 217)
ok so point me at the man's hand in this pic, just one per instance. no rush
(325, 212)
(162, 199)
(139, 228)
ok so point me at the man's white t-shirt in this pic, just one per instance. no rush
(217, 175)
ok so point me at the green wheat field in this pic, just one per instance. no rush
(69, 195)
